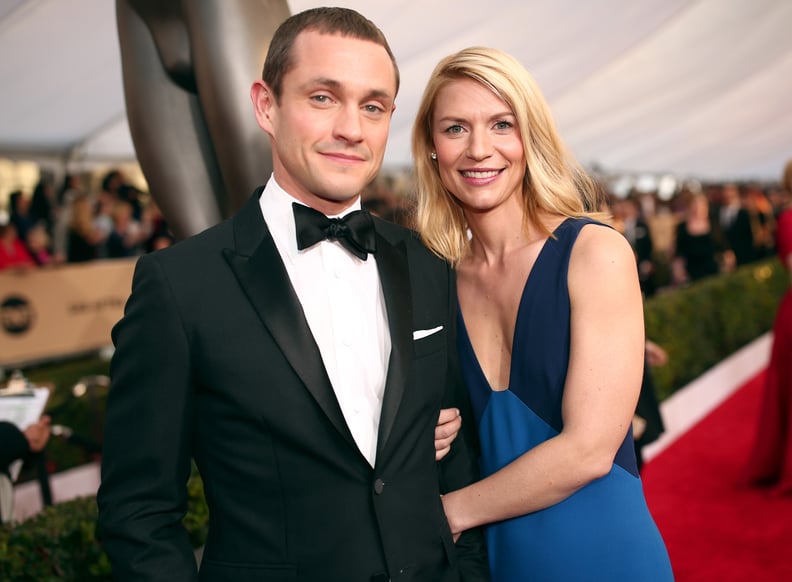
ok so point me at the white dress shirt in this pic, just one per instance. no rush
(343, 302)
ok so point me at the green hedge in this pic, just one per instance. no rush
(703, 323)
(60, 544)
(56, 544)
(698, 326)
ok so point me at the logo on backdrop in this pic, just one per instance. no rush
(16, 314)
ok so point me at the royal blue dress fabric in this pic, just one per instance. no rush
(604, 531)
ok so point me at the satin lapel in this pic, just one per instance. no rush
(395, 279)
(259, 269)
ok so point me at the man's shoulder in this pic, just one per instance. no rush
(398, 234)
(427, 270)
(390, 229)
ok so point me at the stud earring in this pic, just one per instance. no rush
(434, 155)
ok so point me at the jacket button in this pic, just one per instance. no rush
(379, 486)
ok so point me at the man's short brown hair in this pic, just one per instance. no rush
(325, 20)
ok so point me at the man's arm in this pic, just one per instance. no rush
(146, 452)
(460, 467)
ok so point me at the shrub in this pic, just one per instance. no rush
(703, 323)
(60, 542)
(56, 544)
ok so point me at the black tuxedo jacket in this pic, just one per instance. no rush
(215, 361)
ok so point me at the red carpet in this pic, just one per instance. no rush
(714, 529)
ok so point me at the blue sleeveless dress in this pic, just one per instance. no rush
(603, 531)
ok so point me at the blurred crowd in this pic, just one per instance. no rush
(700, 230)
(72, 224)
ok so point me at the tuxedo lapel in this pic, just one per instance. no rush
(395, 279)
(259, 269)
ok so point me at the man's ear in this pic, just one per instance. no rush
(263, 104)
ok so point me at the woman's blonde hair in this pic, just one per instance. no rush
(554, 182)
(81, 220)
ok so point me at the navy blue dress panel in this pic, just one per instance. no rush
(602, 532)
(542, 332)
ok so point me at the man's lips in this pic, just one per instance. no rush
(344, 156)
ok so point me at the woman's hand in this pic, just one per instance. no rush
(454, 534)
(38, 434)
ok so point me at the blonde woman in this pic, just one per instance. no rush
(84, 239)
(551, 333)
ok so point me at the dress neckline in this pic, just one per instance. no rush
(463, 326)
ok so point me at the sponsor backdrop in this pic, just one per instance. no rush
(67, 310)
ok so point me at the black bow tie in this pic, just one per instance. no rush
(355, 231)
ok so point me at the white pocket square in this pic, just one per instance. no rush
(422, 333)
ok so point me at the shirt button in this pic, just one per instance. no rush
(338, 274)
(347, 341)
(379, 486)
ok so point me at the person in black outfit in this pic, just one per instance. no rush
(648, 424)
(42, 204)
(635, 229)
(732, 228)
(20, 215)
(696, 252)
(18, 444)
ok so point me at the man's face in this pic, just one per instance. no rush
(330, 129)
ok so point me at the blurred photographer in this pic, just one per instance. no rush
(18, 444)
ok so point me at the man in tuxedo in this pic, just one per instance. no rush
(304, 374)
(639, 235)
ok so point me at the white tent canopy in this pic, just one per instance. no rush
(693, 88)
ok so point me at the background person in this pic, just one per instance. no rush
(770, 461)
(84, 238)
(18, 444)
(695, 254)
(14, 254)
(648, 422)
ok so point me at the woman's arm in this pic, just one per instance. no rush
(601, 391)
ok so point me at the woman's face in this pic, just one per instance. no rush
(480, 154)
(699, 207)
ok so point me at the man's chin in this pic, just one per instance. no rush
(340, 198)
(342, 190)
